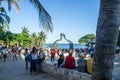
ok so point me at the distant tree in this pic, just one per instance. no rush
(18, 39)
(25, 37)
(86, 39)
(6, 37)
(33, 39)
(41, 38)
(25, 30)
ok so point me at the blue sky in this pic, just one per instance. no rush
(74, 18)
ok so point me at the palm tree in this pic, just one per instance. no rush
(33, 39)
(25, 30)
(25, 36)
(6, 37)
(106, 39)
(18, 38)
(4, 20)
(44, 18)
(41, 38)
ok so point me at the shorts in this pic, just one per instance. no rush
(4, 55)
(39, 61)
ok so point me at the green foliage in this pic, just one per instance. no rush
(23, 39)
(86, 39)
(41, 38)
(4, 20)
(33, 39)
(6, 37)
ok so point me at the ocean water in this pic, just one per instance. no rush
(66, 46)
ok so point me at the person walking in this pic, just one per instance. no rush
(5, 55)
(26, 60)
(41, 57)
(14, 52)
(53, 51)
(33, 62)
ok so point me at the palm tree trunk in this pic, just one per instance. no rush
(18, 43)
(9, 43)
(106, 39)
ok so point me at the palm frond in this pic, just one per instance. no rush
(4, 26)
(0, 2)
(10, 2)
(15, 4)
(1, 20)
(2, 10)
(9, 5)
(44, 18)
(5, 17)
(19, 0)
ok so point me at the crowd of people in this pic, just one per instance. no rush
(35, 56)
(80, 60)
(4, 51)
(84, 61)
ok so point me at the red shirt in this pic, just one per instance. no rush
(53, 52)
(69, 62)
(14, 51)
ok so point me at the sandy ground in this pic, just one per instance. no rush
(16, 71)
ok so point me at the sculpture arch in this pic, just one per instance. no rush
(62, 35)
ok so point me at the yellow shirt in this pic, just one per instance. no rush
(89, 65)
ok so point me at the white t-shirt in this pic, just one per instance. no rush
(34, 56)
(42, 54)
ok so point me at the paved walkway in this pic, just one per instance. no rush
(116, 70)
(16, 71)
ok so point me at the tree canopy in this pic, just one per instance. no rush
(86, 39)
(23, 39)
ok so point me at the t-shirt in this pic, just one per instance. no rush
(42, 54)
(70, 62)
(53, 52)
(60, 61)
(34, 56)
(82, 65)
